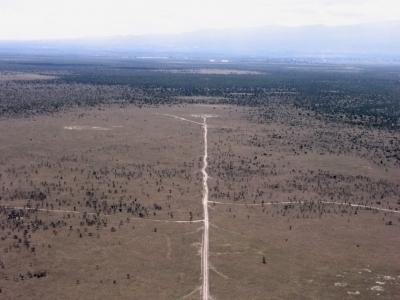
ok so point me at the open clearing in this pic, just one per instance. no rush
(211, 71)
(23, 76)
(168, 202)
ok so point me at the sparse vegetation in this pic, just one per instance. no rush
(94, 180)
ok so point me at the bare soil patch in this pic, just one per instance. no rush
(24, 76)
(211, 71)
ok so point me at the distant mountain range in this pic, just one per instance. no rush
(364, 40)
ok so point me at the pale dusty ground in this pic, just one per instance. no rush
(212, 71)
(23, 76)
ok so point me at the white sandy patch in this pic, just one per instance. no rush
(366, 270)
(353, 293)
(377, 288)
(387, 277)
(340, 284)
(84, 127)
(204, 116)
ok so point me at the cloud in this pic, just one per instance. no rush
(78, 18)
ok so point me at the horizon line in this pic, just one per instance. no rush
(94, 37)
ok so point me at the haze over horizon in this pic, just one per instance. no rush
(46, 19)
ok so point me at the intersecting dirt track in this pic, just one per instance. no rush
(205, 240)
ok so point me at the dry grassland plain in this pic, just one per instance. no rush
(90, 200)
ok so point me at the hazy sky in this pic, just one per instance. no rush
(34, 19)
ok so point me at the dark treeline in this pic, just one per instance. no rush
(361, 95)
